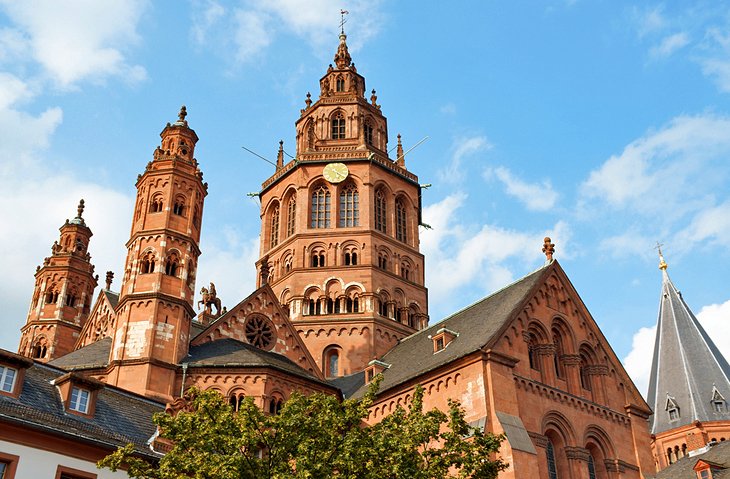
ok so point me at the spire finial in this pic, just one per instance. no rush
(181, 116)
(343, 21)
(662, 263)
(280, 155)
(80, 209)
(548, 247)
(400, 159)
(109, 279)
(342, 57)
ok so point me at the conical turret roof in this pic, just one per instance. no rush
(689, 376)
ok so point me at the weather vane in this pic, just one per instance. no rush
(343, 21)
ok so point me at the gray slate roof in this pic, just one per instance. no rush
(112, 297)
(476, 325)
(119, 418)
(685, 367)
(684, 468)
(230, 352)
(349, 385)
(92, 356)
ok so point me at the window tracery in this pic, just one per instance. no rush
(147, 264)
(338, 126)
(349, 206)
(259, 332)
(291, 215)
(156, 204)
(400, 221)
(171, 264)
(380, 211)
(274, 238)
(321, 201)
(179, 207)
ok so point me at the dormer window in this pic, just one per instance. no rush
(79, 400)
(374, 368)
(78, 393)
(718, 401)
(672, 408)
(442, 339)
(7, 378)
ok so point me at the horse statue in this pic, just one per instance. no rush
(210, 299)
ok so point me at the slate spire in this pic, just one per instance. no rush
(690, 378)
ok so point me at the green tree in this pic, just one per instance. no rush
(315, 436)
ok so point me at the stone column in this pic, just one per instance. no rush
(572, 372)
(577, 461)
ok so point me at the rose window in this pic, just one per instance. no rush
(259, 332)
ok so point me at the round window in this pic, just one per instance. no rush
(260, 332)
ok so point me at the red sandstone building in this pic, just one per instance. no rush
(340, 297)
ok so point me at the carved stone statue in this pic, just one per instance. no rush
(210, 299)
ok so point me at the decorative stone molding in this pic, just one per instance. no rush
(577, 453)
(544, 349)
(538, 439)
(570, 359)
(597, 370)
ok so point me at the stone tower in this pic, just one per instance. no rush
(689, 384)
(156, 299)
(339, 234)
(64, 288)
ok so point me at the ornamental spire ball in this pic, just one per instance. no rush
(548, 248)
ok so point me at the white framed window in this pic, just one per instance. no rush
(7, 378)
(79, 400)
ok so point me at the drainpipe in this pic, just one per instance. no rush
(185, 371)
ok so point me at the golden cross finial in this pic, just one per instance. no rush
(548, 247)
(662, 263)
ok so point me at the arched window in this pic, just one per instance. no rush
(338, 126)
(400, 221)
(315, 307)
(332, 362)
(39, 349)
(550, 453)
(179, 207)
(51, 295)
(275, 405)
(274, 239)
(380, 211)
(171, 265)
(585, 378)
(196, 217)
(321, 208)
(71, 299)
(350, 258)
(669, 455)
(532, 352)
(156, 204)
(349, 207)
(383, 260)
(235, 400)
(311, 137)
(559, 371)
(340, 84)
(591, 468)
(147, 265)
(368, 130)
(405, 271)
(291, 216)
(383, 307)
(318, 259)
(352, 305)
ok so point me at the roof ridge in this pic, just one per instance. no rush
(475, 303)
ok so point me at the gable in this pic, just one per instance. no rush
(261, 321)
(101, 322)
(555, 321)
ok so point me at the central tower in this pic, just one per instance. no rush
(339, 231)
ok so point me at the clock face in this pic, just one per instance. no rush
(335, 172)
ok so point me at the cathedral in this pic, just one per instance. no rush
(340, 297)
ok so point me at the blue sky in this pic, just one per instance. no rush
(603, 124)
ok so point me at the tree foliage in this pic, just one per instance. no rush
(315, 436)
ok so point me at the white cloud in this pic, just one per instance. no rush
(669, 45)
(713, 318)
(12, 90)
(228, 261)
(638, 361)
(711, 224)
(77, 40)
(462, 148)
(665, 171)
(649, 20)
(460, 254)
(535, 196)
(254, 26)
(628, 243)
